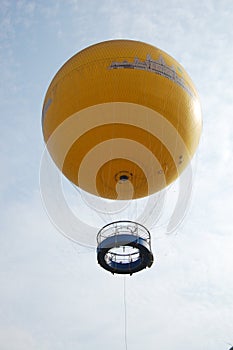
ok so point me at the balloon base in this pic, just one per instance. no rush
(123, 247)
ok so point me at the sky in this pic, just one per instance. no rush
(53, 295)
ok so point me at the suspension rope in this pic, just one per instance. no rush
(125, 315)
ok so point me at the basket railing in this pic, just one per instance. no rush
(121, 228)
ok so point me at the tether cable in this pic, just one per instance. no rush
(125, 315)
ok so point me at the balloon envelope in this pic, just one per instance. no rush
(121, 119)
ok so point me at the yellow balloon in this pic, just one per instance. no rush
(122, 119)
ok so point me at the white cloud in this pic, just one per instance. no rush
(13, 338)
